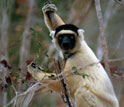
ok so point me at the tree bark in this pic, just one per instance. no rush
(102, 34)
(26, 38)
(25, 48)
(4, 56)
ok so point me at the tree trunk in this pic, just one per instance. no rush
(26, 38)
(3, 56)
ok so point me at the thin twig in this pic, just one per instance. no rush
(103, 38)
(16, 94)
(119, 2)
(118, 45)
(59, 75)
(34, 88)
(116, 59)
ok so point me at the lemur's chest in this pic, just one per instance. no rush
(74, 81)
(82, 61)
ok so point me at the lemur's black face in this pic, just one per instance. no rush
(66, 41)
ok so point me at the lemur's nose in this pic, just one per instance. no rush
(66, 45)
(33, 65)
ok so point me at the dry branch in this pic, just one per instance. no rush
(60, 75)
(102, 32)
(119, 2)
(107, 16)
(22, 96)
(64, 86)
(116, 59)
(117, 78)
(37, 85)
(25, 46)
(26, 38)
(76, 16)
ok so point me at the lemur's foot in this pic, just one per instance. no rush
(38, 72)
(49, 7)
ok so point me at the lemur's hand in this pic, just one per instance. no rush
(38, 72)
(49, 8)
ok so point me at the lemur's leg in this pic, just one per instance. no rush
(85, 98)
(93, 99)
(38, 74)
(52, 20)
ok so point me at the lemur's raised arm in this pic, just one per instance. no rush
(52, 20)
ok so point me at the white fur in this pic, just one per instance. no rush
(97, 86)
(96, 89)
(81, 33)
(66, 32)
(52, 33)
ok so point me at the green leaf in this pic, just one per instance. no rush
(74, 68)
(77, 73)
(81, 74)
(84, 75)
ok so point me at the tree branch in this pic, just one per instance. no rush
(25, 47)
(102, 32)
(31, 89)
(59, 75)
(107, 16)
(64, 86)
(119, 2)
(4, 53)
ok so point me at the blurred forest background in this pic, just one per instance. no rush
(24, 37)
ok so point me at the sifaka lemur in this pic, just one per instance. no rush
(95, 90)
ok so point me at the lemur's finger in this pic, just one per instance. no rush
(49, 7)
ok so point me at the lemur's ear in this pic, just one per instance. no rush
(52, 33)
(81, 33)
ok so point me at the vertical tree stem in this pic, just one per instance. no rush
(64, 86)
(4, 54)
(26, 38)
(102, 32)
